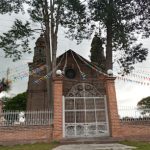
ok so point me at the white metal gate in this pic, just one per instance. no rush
(85, 115)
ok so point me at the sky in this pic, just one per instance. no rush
(128, 93)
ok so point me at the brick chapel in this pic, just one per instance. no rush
(84, 95)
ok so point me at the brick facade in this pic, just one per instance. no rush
(37, 100)
(31, 134)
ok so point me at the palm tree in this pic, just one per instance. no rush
(5, 83)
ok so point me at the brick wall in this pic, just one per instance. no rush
(31, 134)
(135, 132)
(25, 134)
(118, 129)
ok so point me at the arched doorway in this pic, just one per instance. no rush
(85, 112)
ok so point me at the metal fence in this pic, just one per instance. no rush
(134, 115)
(130, 115)
(14, 118)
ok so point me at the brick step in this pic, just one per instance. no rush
(99, 140)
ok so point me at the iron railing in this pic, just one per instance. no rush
(130, 115)
(134, 115)
(14, 118)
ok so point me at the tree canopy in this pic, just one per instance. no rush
(49, 15)
(97, 52)
(16, 103)
(144, 105)
(4, 85)
(69, 14)
(122, 21)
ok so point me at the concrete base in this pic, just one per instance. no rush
(114, 146)
(92, 140)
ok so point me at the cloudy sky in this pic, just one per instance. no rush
(128, 93)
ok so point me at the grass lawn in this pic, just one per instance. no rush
(139, 145)
(37, 146)
(45, 146)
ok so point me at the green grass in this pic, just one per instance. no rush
(37, 146)
(139, 145)
(45, 146)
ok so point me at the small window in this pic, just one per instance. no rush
(70, 73)
(40, 51)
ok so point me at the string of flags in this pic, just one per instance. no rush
(94, 67)
(142, 71)
(130, 80)
(49, 74)
(65, 65)
(14, 70)
(125, 79)
(25, 74)
(141, 77)
(83, 75)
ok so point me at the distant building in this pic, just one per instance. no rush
(37, 94)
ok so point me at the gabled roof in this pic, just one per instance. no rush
(85, 61)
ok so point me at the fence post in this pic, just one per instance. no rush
(114, 121)
(58, 118)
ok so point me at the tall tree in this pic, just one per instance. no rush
(52, 14)
(97, 52)
(121, 21)
(4, 85)
(18, 102)
(144, 105)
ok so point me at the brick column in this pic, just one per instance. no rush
(58, 118)
(114, 122)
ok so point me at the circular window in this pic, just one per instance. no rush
(70, 73)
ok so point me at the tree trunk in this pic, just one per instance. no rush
(109, 59)
(48, 57)
(109, 23)
(54, 52)
(53, 39)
